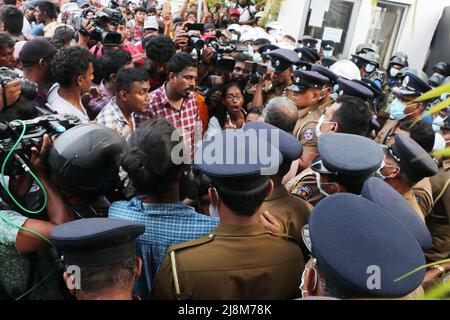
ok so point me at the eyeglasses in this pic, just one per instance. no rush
(231, 97)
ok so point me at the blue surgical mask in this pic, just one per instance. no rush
(327, 53)
(444, 96)
(397, 109)
(370, 68)
(393, 72)
(335, 88)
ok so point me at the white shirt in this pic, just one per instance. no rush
(61, 106)
(213, 128)
(26, 29)
(246, 13)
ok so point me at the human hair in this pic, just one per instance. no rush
(353, 116)
(147, 159)
(95, 279)
(180, 61)
(69, 64)
(261, 42)
(140, 9)
(256, 111)
(151, 10)
(281, 113)
(233, 199)
(221, 111)
(240, 57)
(112, 61)
(10, 2)
(48, 7)
(333, 288)
(422, 133)
(12, 19)
(127, 76)
(160, 48)
(6, 41)
(63, 35)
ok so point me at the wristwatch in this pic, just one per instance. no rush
(440, 268)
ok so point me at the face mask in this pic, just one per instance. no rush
(444, 96)
(257, 58)
(319, 125)
(370, 68)
(319, 185)
(327, 53)
(437, 123)
(397, 109)
(335, 88)
(234, 37)
(393, 72)
(213, 213)
(439, 142)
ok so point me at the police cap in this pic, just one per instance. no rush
(283, 59)
(351, 88)
(304, 80)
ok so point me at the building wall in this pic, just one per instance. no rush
(414, 40)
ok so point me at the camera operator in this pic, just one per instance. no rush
(36, 56)
(72, 81)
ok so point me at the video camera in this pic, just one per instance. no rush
(100, 20)
(222, 63)
(256, 71)
(28, 88)
(35, 130)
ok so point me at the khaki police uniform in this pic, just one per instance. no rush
(233, 262)
(438, 221)
(424, 196)
(292, 212)
(411, 199)
(304, 185)
(387, 131)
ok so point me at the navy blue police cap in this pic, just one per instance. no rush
(352, 238)
(413, 160)
(351, 88)
(96, 241)
(307, 54)
(412, 85)
(291, 149)
(309, 42)
(379, 192)
(283, 59)
(304, 80)
(328, 44)
(267, 48)
(347, 154)
(239, 160)
(327, 62)
(371, 85)
(332, 77)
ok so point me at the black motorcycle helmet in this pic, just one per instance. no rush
(401, 61)
(442, 68)
(83, 160)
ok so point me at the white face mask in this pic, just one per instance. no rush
(213, 213)
(437, 123)
(319, 185)
(370, 68)
(439, 142)
(319, 125)
(393, 72)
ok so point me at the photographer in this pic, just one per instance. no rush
(36, 56)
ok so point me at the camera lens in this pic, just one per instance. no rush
(29, 89)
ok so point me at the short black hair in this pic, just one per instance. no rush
(6, 41)
(221, 111)
(160, 48)
(112, 61)
(353, 116)
(10, 2)
(64, 34)
(422, 133)
(48, 7)
(96, 279)
(140, 9)
(69, 64)
(127, 76)
(261, 41)
(12, 19)
(233, 199)
(256, 111)
(148, 160)
(151, 10)
(180, 61)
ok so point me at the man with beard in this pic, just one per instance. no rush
(175, 100)
(36, 57)
(159, 50)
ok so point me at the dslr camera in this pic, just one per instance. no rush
(101, 19)
(222, 62)
(28, 88)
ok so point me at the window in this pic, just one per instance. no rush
(386, 22)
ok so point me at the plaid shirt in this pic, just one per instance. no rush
(165, 225)
(186, 119)
(112, 117)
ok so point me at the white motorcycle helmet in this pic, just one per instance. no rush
(346, 69)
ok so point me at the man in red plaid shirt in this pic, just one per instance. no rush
(175, 100)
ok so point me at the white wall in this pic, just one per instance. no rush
(414, 41)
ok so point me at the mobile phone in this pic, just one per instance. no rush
(196, 27)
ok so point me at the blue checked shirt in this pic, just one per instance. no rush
(165, 225)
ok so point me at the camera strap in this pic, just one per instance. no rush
(5, 99)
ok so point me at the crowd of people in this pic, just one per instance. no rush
(109, 114)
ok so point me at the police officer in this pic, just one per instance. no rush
(99, 256)
(327, 48)
(292, 212)
(306, 92)
(351, 241)
(264, 50)
(329, 87)
(282, 61)
(411, 87)
(307, 54)
(232, 260)
(365, 48)
(405, 164)
(309, 42)
(438, 221)
(345, 162)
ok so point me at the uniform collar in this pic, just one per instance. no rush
(446, 164)
(277, 193)
(304, 112)
(239, 230)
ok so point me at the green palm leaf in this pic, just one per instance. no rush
(420, 268)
